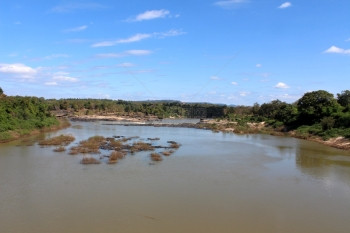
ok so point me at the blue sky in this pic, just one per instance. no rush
(229, 51)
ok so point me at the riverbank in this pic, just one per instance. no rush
(215, 125)
(138, 119)
(18, 134)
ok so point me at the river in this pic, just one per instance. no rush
(215, 182)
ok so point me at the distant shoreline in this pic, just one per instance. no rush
(214, 125)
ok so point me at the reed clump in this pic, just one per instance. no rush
(115, 156)
(89, 146)
(156, 157)
(62, 140)
(174, 144)
(60, 149)
(89, 160)
(167, 152)
(141, 146)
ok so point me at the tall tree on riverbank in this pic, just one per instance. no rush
(316, 105)
(344, 98)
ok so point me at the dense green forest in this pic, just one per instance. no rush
(161, 109)
(20, 115)
(315, 113)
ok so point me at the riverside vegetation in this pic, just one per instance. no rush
(316, 114)
(22, 115)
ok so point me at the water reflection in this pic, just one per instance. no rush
(312, 160)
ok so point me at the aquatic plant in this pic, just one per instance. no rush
(167, 152)
(174, 144)
(62, 140)
(141, 146)
(115, 156)
(89, 160)
(59, 149)
(156, 157)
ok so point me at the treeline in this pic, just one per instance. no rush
(317, 113)
(20, 115)
(161, 109)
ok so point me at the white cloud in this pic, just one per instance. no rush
(18, 70)
(215, 78)
(76, 29)
(124, 54)
(229, 3)
(148, 15)
(281, 85)
(138, 52)
(109, 55)
(258, 65)
(135, 38)
(334, 49)
(234, 83)
(126, 65)
(53, 56)
(139, 37)
(71, 7)
(285, 5)
(172, 32)
(51, 84)
(63, 76)
(244, 93)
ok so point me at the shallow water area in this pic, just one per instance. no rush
(215, 182)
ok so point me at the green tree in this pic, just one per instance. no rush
(314, 106)
(1, 91)
(344, 98)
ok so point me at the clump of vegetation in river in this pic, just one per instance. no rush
(89, 146)
(174, 144)
(119, 148)
(62, 140)
(156, 157)
(60, 149)
(141, 146)
(89, 160)
(115, 156)
(167, 152)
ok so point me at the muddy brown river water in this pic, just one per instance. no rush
(214, 182)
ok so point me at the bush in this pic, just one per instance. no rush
(327, 123)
